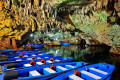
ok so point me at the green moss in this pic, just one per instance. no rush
(112, 19)
(74, 20)
(103, 16)
(77, 2)
(71, 2)
(114, 30)
(116, 41)
(96, 26)
(72, 27)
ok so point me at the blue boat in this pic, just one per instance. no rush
(10, 51)
(65, 44)
(41, 72)
(33, 56)
(26, 55)
(13, 55)
(38, 59)
(27, 58)
(46, 60)
(100, 71)
(38, 46)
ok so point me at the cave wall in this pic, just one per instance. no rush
(17, 17)
(99, 19)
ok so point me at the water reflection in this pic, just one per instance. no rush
(90, 54)
(80, 53)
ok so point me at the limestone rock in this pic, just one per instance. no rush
(54, 43)
(98, 19)
(115, 50)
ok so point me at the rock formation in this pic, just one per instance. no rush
(98, 19)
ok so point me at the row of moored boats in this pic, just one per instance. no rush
(38, 65)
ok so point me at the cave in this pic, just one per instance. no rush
(84, 30)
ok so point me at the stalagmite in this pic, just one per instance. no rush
(14, 43)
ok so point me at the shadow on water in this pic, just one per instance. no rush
(90, 54)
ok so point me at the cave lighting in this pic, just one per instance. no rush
(31, 35)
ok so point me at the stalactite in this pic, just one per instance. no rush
(55, 14)
(42, 4)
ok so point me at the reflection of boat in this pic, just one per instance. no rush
(41, 72)
(100, 71)
(65, 44)
(38, 46)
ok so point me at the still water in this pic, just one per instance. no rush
(90, 54)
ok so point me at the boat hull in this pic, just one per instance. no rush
(100, 71)
(25, 74)
(17, 65)
(65, 44)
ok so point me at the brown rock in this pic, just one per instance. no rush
(115, 50)
(54, 43)
(14, 43)
(93, 42)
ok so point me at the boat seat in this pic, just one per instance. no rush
(91, 75)
(60, 68)
(16, 57)
(25, 55)
(74, 77)
(27, 65)
(19, 60)
(46, 57)
(38, 57)
(48, 71)
(70, 66)
(49, 61)
(100, 71)
(40, 54)
(57, 60)
(39, 63)
(29, 58)
(33, 55)
(34, 73)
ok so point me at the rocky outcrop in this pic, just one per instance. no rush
(5, 43)
(17, 17)
(115, 50)
(100, 20)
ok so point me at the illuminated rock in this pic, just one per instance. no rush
(98, 19)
